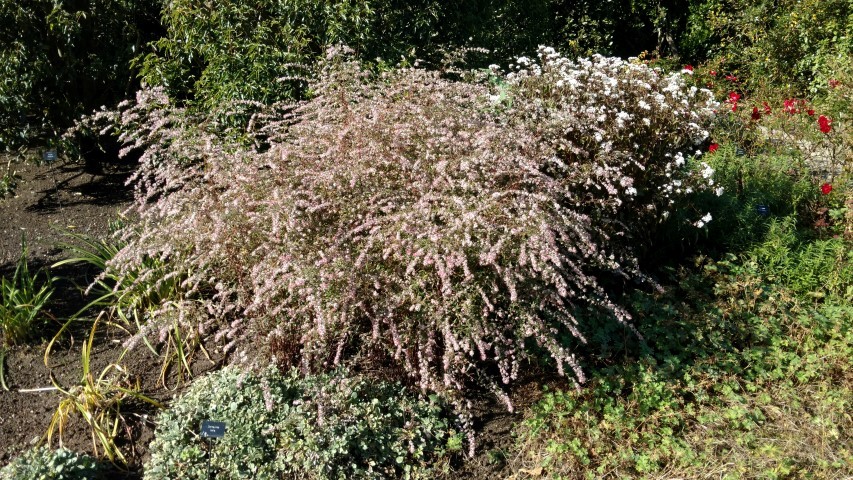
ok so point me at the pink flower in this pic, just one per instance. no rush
(826, 188)
(713, 148)
(824, 123)
(834, 83)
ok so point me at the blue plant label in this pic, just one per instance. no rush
(762, 210)
(211, 429)
(49, 156)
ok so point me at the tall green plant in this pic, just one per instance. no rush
(22, 299)
(59, 59)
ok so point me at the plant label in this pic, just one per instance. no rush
(762, 210)
(740, 152)
(49, 156)
(211, 429)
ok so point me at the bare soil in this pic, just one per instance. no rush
(50, 201)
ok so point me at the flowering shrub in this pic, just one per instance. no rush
(418, 216)
(318, 427)
(626, 137)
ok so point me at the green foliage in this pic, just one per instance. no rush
(22, 299)
(284, 426)
(225, 55)
(127, 297)
(789, 44)
(59, 59)
(750, 382)
(46, 464)
(9, 181)
(779, 182)
(819, 269)
(230, 50)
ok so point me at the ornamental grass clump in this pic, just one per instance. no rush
(415, 215)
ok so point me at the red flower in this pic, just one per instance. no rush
(790, 106)
(731, 78)
(713, 73)
(825, 188)
(810, 112)
(755, 114)
(713, 148)
(834, 83)
(689, 68)
(824, 123)
(733, 98)
(767, 110)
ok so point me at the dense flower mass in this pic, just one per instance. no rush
(447, 225)
(824, 123)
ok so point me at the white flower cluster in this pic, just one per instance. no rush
(629, 120)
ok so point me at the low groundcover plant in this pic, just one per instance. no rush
(45, 464)
(281, 425)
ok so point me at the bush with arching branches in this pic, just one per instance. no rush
(450, 224)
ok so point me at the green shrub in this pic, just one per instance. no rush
(215, 53)
(60, 59)
(284, 426)
(794, 45)
(45, 464)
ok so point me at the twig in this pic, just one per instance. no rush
(36, 390)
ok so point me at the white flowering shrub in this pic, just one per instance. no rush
(626, 136)
(451, 225)
(283, 426)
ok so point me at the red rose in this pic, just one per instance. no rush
(825, 188)
(790, 106)
(824, 123)
(713, 147)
